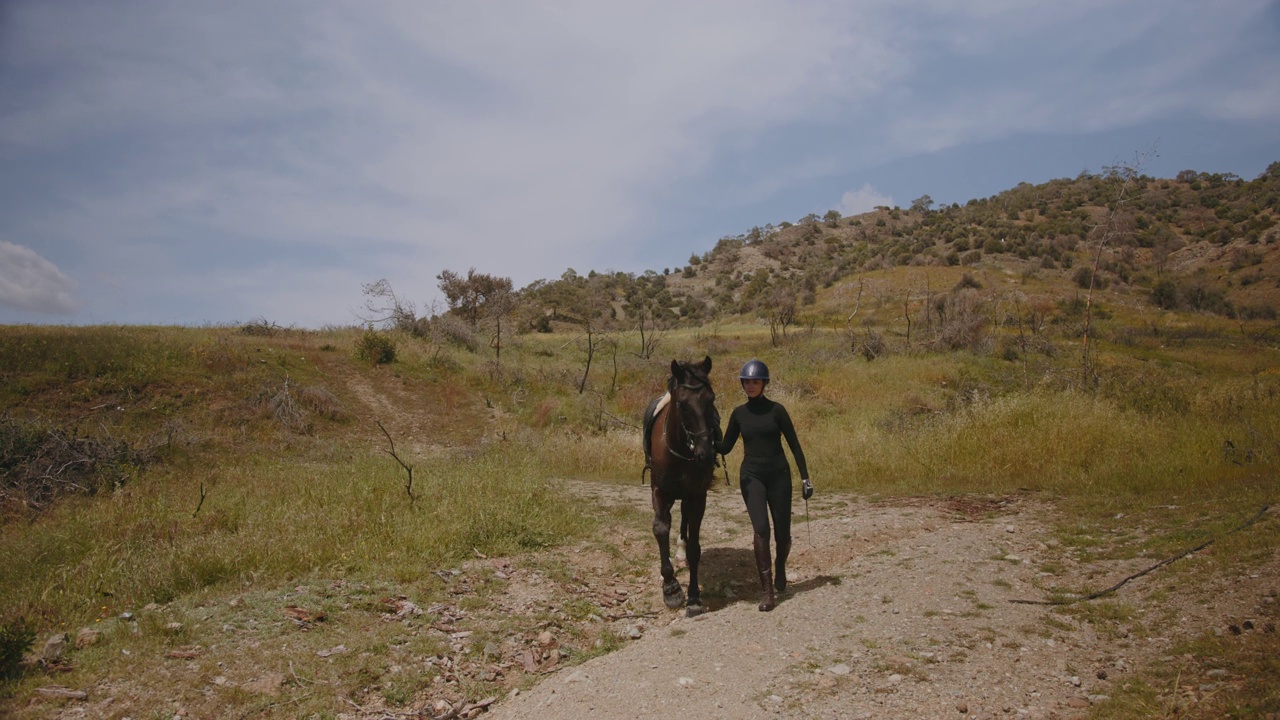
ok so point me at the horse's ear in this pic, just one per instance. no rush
(675, 369)
(706, 364)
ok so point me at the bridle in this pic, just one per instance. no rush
(691, 437)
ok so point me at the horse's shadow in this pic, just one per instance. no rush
(728, 576)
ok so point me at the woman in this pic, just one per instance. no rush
(765, 475)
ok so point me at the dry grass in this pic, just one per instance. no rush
(277, 430)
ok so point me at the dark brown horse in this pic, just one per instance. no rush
(680, 451)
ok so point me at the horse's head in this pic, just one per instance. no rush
(694, 404)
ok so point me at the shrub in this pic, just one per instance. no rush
(1258, 312)
(871, 345)
(39, 464)
(376, 348)
(16, 638)
(1165, 294)
(1084, 274)
(963, 324)
(456, 332)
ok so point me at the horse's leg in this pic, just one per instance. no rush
(692, 509)
(671, 592)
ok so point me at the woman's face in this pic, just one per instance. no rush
(753, 387)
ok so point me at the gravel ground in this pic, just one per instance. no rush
(896, 609)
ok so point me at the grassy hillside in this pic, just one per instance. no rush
(160, 465)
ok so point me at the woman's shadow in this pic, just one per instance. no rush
(728, 576)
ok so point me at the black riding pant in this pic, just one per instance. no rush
(767, 492)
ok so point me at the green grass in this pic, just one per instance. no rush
(266, 521)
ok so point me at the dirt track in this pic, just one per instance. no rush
(896, 610)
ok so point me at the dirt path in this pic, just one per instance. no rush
(896, 610)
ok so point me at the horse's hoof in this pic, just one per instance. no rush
(694, 609)
(765, 606)
(673, 597)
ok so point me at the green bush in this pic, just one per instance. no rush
(1084, 276)
(1165, 294)
(376, 348)
(16, 638)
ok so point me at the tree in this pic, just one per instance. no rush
(832, 218)
(1123, 183)
(383, 307)
(781, 312)
(922, 204)
(468, 296)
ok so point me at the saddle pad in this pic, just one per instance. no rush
(662, 402)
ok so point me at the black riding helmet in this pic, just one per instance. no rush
(755, 370)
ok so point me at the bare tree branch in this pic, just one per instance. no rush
(408, 486)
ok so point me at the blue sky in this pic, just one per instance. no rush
(207, 163)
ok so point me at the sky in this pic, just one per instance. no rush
(215, 163)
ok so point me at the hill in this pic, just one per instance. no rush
(1200, 241)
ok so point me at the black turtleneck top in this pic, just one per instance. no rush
(763, 423)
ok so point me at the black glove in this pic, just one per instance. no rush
(806, 490)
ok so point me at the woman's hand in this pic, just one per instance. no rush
(806, 488)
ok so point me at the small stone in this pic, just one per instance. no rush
(577, 676)
(775, 699)
(268, 684)
(962, 707)
(687, 682)
(1078, 702)
(55, 647)
(895, 678)
(1075, 680)
(546, 639)
(59, 691)
(86, 637)
(840, 669)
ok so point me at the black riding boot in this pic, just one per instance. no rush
(780, 565)
(766, 573)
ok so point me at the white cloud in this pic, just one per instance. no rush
(29, 282)
(864, 199)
